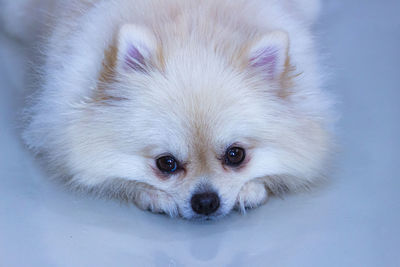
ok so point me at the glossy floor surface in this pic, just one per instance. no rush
(352, 221)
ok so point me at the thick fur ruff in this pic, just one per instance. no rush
(127, 81)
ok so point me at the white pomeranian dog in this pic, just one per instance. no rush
(184, 107)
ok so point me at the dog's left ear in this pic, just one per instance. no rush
(270, 53)
(136, 46)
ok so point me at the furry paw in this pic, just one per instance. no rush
(252, 195)
(155, 201)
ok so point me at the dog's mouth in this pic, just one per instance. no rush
(210, 217)
(188, 213)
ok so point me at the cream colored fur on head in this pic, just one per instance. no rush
(128, 81)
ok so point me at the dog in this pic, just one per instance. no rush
(190, 108)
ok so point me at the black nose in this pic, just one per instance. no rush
(205, 203)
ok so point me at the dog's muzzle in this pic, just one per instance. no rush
(205, 203)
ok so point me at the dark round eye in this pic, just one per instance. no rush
(167, 164)
(234, 156)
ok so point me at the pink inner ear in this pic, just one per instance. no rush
(267, 59)
(134, 59)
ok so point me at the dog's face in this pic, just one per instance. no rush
(196, 129)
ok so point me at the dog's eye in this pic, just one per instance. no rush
(167, 164)
(234, 156)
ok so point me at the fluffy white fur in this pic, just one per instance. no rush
(210, 73)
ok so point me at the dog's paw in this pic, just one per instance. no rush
(156, 201)
(252, 195)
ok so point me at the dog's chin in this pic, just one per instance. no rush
(201, 218)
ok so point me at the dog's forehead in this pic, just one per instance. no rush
(200, 127)
(198, 106)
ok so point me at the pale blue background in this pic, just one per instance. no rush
(353, 221)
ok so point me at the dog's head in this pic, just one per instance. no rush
(195, 121)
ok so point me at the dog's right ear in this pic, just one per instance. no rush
(136, 46)
(269, 55)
